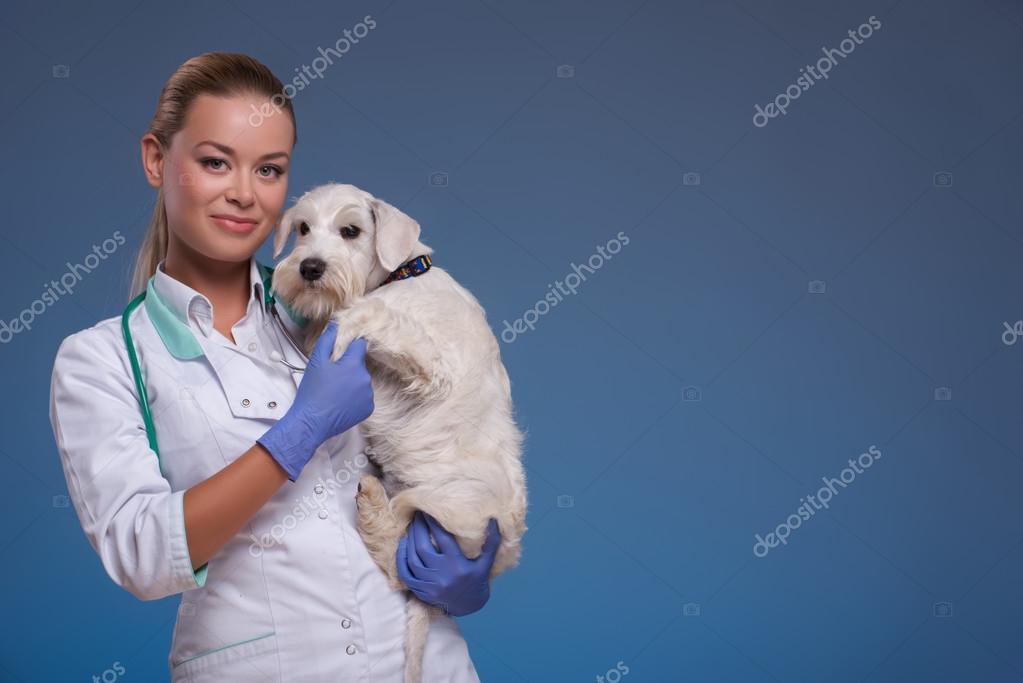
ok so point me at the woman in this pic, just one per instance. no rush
(245, 503)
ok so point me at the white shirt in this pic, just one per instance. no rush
(294, 596)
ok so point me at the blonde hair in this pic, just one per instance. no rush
(216, 73)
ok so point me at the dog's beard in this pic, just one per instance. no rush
(334, 290)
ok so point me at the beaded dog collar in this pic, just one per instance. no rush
(416, 266)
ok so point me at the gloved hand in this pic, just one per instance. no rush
(446, 578)
(332, 397)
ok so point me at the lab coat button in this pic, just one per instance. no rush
(346, 623)
(350, 649)
(323, 514)
(252, 346)
(271, 404)
(246, 402)
(318, 488)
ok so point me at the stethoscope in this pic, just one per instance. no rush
(276, 355)
(269, 304)
(411, 268)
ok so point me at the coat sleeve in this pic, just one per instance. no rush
(126, 507)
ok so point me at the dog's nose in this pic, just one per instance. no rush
(312, 268)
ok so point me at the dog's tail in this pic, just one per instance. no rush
(418, 617)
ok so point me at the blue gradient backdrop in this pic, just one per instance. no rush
(790, 295)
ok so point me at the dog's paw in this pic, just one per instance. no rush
(345, 336)
(354, 322)
(371, 495)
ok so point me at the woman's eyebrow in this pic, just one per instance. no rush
(227, 150)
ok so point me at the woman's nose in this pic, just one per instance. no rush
(240, 191)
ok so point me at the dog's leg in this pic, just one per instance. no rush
(397, 342)
(378, 527)
(418, 616)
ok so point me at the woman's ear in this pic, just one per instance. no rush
(152, 159)
(395, 234)
(284, 227)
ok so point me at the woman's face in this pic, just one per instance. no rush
(224, 163)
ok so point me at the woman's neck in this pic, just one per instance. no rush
(224, 283)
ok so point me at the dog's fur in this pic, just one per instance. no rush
(442, 430)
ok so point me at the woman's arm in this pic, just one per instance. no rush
(332, 397)
(218, 507)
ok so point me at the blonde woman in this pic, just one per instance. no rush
(201, 459)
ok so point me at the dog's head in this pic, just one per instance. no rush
(346, 243)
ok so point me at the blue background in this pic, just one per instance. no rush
(660, 497)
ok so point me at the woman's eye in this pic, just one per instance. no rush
(276, 169)
(212, 160)
(303, 228)
(350, 231)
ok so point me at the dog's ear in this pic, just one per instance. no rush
(284, 228)
(396, 234)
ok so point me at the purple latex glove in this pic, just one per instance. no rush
(332, 397)
(446, 578)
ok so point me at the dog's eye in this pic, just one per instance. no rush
(350, 231)
(303, 228)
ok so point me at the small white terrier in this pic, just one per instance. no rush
(442, 429)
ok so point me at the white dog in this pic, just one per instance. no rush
(442, 430)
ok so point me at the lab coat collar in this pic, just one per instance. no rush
(169, 302)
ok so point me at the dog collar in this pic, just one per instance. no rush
(412, 268)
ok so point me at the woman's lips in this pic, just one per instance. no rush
(234, 226)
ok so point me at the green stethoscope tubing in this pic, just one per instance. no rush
(140, 386)
(136, 371)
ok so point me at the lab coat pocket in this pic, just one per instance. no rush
(187, 417)
(250, 660)
(225, 631)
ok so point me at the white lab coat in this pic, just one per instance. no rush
(294, 597)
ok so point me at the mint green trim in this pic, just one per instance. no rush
(265, 272)
(200, 573)
(299, 319)
(269, 296)
(209, 652)
(174, 331)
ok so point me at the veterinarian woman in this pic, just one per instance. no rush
(244, 501)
